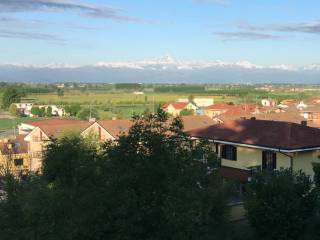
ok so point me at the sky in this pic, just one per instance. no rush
(264, 32)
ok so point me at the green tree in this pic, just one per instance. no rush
(148, 185)
(280, 204)
(14, 111)
(10, 95)
(49, 111)
(170, 194)
(73, 109)
(35, 111)
(60, 92)
(86, 113)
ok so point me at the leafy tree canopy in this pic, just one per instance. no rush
(148, 185)
(280, 204)
(10, 95)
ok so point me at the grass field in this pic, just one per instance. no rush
(7, 124)
(120, 104)
(114, 98)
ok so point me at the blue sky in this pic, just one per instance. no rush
(265, 32)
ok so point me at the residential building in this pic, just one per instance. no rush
(199, 102)
(24, 108)
(40, 135)
(14, 155)
(174, 108)
(222, 111)
(245, 145)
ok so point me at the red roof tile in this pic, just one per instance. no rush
(270, 134)
(176, 105)
(56, 127)
(116, 127)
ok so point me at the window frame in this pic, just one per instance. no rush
(231, 155)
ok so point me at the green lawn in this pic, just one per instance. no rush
(8, 124)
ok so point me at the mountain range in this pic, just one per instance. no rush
(161, 70)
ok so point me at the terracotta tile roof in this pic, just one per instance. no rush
(116, 127)
(219, 106)
(194, 122)
(293, 117)
(176, 105)
(262, 133)
(14, 146)
(57, 127)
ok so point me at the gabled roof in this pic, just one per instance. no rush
(220, 106)
(116, 127)
(194, 122)
(176, 105)
(57, 127)
(262, 133)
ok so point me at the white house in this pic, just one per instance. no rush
(24, 108)
(199, 102)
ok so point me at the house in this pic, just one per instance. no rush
(311, 113)
(246, 145)
(199, 102)
(39, 133)
(217, 109)
(222, 111)
(55, 110)
(24, 108)
(14, 155)
(268, 102)
(108, 129)
(174, 108)
(42, 131)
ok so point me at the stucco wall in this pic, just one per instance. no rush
(93, 130)
(303, 161)
(251, 157)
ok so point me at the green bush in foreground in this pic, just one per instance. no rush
(280, 204)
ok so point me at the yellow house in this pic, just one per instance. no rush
(175, 108)
(245, 145)
(14, 155)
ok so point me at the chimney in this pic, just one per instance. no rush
(304, 123)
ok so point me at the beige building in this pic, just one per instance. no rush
(175, 108)
(14, 155)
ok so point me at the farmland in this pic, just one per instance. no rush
(124, 100)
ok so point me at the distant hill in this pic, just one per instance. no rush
(161, 70)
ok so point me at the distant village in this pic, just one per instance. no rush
(270, 135)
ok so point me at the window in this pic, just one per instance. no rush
(18, 162)
(269, 160)
(229, 152)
